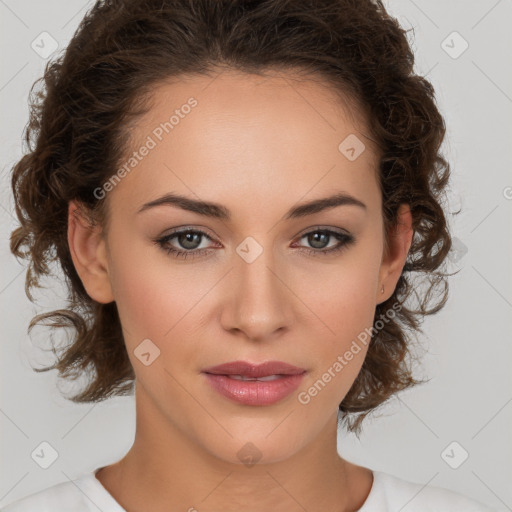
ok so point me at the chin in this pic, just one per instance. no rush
(249, 450)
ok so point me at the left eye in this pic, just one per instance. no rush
(318, 238)
(190, 240)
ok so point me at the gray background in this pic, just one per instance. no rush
(469, 349)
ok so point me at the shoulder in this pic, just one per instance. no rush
(65, 496)
(390, 492)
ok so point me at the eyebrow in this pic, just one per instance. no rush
(217, 211)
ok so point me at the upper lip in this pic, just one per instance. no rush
(247, 369)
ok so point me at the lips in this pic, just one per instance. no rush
(243, 370)
(254, 385)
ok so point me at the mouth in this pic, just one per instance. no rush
(250, 384)
(248, 371)
(266, 378)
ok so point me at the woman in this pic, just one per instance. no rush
(238, 193)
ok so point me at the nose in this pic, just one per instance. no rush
(260, 300)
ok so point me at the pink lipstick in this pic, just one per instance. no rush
(250, 384)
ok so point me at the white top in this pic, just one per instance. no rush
(388, 494)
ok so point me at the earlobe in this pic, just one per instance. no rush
(88, 252)
(400, 240)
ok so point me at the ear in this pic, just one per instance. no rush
(393, 261)
(89, 255)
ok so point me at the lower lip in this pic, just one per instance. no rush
(254, 392)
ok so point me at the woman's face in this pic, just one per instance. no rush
(256, 284)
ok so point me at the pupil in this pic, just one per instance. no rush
(315, 241)
(189, 240)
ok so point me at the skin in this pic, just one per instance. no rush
(258, 146)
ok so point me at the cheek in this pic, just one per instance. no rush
(342, 296)
(346, 307)
(145, 289)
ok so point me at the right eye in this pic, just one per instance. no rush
(188, 240)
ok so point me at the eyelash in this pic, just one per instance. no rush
(344, 239)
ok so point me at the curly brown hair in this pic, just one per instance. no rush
(78, 132)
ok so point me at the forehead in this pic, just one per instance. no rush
(250, 99)
(232, 134)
